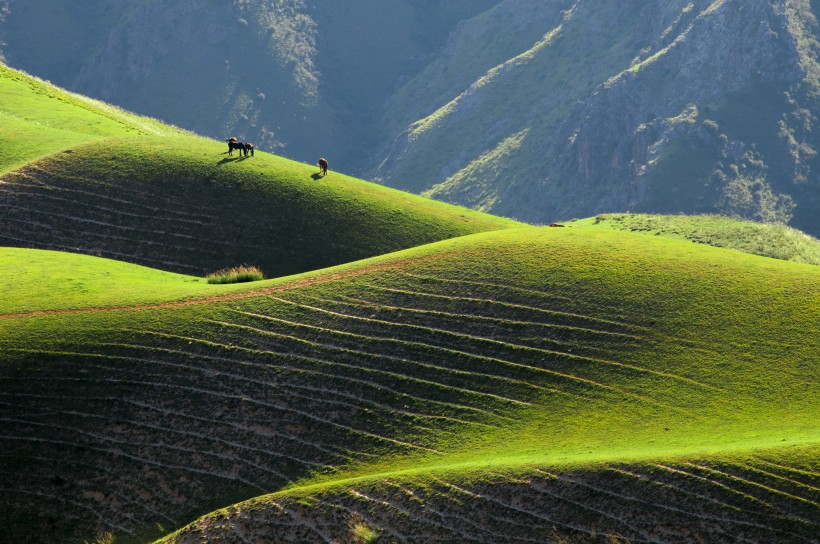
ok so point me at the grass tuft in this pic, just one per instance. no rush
(361, 532)
(237, 274)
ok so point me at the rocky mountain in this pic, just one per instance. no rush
(534, 109)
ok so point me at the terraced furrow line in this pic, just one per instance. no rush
(156, 445)
(109, 211)
(682, 490)
(529, 293)
(26, 242)
(274, 406)
(542, 370)
(766, 488)
(156, 211)
(105, 521)
(392, 505)
(179, 204)
(506, 521)
(450, 352)
(248, 429)
(619, 520)
(116, 478)
(131, 457)
(511, 345)
(402, 377)
(784, 479)
(207, 438)
(428, 505)
(284, 385)
(815, 476)
(621, 496)
(305, 522)
(98, 223)
(124, 256)
(354, 514)
(287, 385)
(378, 386)
(562, 338)
(510, 305)
(724, 487)
(362, 303)
(543, 520)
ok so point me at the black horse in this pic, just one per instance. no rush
(322, 164)
(233, 143)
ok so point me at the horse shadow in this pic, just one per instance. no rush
(316, 177)
(226, 160)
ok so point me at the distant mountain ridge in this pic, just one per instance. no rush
(538, 110)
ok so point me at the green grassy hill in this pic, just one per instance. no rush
(576, 350)
(111, 184)
(425, 373)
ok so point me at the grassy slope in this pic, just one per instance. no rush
(130, 188)
(765, 239)
(500, 351)
(39, 118)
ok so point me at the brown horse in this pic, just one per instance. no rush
(322, 164)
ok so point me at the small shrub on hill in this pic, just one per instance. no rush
(361, 532)
(237, 274)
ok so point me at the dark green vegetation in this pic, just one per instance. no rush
(704, 106)
(489, 382)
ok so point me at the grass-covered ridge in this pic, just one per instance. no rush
(765, 239)
(37, 118)
(489, 354)
(101, 181)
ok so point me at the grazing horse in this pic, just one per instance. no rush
(233, 143)
(322, 164)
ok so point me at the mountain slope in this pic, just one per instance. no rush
(628, 106)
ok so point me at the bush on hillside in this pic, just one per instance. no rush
(237, 274)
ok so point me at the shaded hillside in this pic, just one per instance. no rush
(183, 205)
(494, 352)
(691, 500)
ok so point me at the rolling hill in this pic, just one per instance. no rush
(414, 372)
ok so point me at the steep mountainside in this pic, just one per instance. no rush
(534, 109)
(692, 106)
